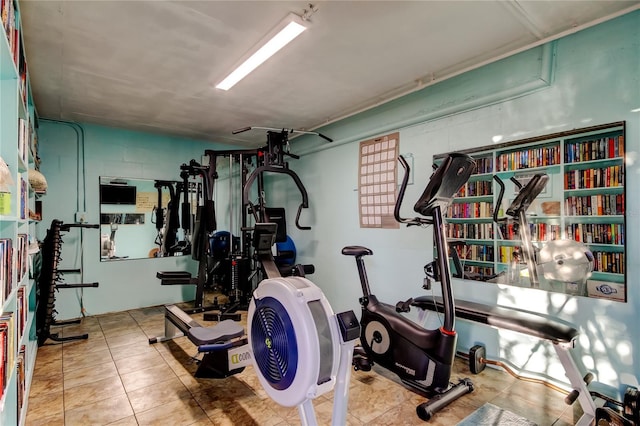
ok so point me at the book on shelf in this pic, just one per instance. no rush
(21, 377)
(6, 268)
(7, 351)
(24, 139)
(22, 309)
(24, 198)
(20, 254)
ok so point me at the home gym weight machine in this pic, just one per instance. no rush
(236, 267)
(241, 270)
(422, 358)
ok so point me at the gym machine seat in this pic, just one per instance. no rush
(176, 278)
(504, 318)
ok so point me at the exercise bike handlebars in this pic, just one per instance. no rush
(403, 187)
(500, 195)
(273, 169)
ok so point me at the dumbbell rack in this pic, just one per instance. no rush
(51, 279)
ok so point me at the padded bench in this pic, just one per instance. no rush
(214, 341)
(199, 335)
(176, 278)
(504, 318)
(559, 333)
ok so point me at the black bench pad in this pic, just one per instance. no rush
(175, 278)
(221, 332)
(173, 274)
(509, 319)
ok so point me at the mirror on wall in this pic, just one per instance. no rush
(128, 218)
(545, 213)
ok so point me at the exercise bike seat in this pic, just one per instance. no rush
(221, 332)
(356, 251)
(445, 183)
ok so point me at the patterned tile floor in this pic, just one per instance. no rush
(116, 378)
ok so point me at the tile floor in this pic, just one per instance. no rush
(115, 377)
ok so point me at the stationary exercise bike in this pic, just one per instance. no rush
(421, 357)
(557, 261)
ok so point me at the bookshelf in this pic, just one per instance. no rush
(17, 290)
(584, 200)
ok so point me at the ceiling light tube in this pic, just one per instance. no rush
(293, 27)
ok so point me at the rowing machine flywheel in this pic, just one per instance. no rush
(294, 339)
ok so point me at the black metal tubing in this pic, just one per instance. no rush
(403, 188)
(445, 272)
(273, 169)
(499, 202)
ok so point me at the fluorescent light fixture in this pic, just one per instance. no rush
(293, 27)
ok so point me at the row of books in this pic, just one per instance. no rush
(7, 351)
(611, 262)
(539, 231)
(483, 253)
(603, 177)
(595, 149)
(474, 189)
(544, 231)
(470, 210)
(588, 205)
(472, 231)
(483, 272)
(596, 233)
(484, 165)
(9, 23)
(528, 158)
(10, 253)
(505, 253)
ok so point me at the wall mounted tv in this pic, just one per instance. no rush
(117, 194)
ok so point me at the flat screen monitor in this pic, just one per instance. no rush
(117, 194)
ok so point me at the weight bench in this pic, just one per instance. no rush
(176, 278)
(219, 343)
(560, 334)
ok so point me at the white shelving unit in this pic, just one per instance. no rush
(586, 188)
(18, 295)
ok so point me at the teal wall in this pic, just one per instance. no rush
(584, 79)
(73, 180)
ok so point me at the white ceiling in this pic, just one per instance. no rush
(152, 65)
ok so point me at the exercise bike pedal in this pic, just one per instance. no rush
(360, 360)
(404, 306)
